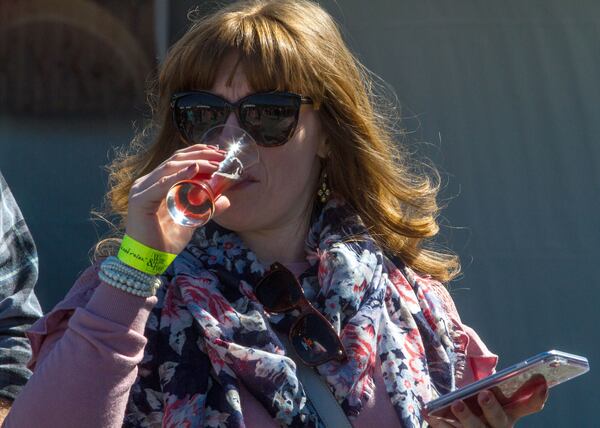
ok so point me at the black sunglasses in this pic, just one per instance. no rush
(269, 117)
(312, 336)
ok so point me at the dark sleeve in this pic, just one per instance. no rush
(19, 307)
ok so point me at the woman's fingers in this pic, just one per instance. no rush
(465, 416)
(533, 405)
(169, 169)
(197, 154)
(493, 411)
(208, 154)
(157, 189)
(221, 204)
(197, 151)
(438, 423)
(497, 416)
(196, 147)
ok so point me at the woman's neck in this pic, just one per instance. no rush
(284, 243)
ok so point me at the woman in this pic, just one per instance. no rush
(332, 203)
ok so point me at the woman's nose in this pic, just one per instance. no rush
(232, 120)
(230, 126)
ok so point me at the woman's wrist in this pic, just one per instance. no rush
(136, 268)
(144, 258)
(126, 278)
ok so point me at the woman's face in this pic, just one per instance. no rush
(284, 182)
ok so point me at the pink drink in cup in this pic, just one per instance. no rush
(192, 202)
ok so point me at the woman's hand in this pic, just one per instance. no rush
(148, 220)
(494, 415)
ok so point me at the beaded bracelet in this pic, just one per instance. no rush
(113, 264)
(122, 284)
(119, 275)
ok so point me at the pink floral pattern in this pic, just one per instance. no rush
(208, 333)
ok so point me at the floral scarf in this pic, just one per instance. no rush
(208, 334)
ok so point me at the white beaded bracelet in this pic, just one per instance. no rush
(114, 263)
(117, 274)
(122, 279)
(121, 284)
(127, 278)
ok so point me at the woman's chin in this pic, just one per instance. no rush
(238, 217)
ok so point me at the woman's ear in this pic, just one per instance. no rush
(323, 148)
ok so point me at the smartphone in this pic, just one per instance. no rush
(514, 384)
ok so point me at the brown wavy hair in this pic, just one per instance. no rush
(295, 45)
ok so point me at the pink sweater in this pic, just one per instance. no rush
(86, 351)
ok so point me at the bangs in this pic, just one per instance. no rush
(270, 56)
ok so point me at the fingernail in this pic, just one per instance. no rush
(485, 397)
(459, 406)
(214, 163)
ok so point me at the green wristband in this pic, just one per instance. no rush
(144, 258)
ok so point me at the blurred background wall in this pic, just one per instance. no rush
(501, 95)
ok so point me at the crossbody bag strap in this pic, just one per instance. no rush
(318, 391)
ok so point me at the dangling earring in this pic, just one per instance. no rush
(323, 191)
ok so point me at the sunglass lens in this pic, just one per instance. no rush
(195, 114)
(315, 343)
(270, 118)
(278, 291)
